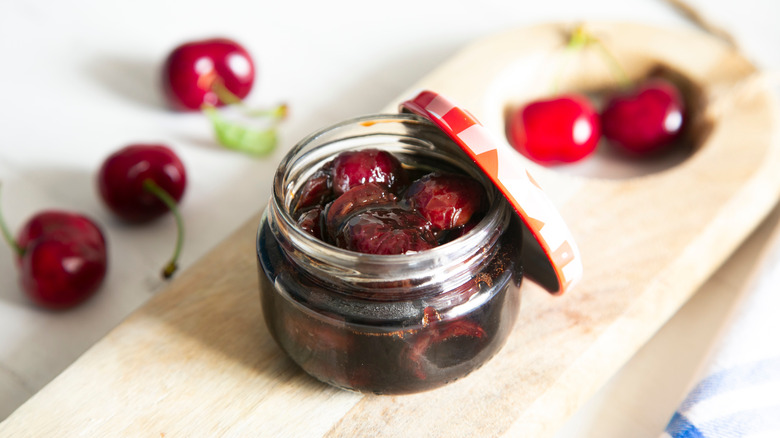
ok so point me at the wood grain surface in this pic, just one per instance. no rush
(197, 360)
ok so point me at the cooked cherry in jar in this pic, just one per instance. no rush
(388, 264)
(360, 201)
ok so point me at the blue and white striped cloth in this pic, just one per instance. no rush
(739, 393)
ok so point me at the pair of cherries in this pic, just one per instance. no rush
(641, 121)
(62, 256)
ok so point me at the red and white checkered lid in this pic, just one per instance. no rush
(507, 171)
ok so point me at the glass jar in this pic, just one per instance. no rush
(387, 324)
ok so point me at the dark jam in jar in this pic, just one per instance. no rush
(368, 284)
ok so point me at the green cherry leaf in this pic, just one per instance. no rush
(238, 137)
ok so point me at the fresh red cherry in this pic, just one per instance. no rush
(391, 230)
(354, 168)
(563, 129)
(197, 72)
(646, 119)
(447, 201)
(61, 256)
(123, 176)
(141, 182)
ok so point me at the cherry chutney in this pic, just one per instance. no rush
(387, 324)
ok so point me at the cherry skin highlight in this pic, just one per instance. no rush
(352, 169)
(194, 72)
(563, 129)
(646, 119)
(121, 181)
(386, 230)
(447, 201)
(62, 259)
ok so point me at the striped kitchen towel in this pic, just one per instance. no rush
(739, 393)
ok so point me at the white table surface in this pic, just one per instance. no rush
(79, 80)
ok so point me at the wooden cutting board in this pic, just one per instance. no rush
(197, 360)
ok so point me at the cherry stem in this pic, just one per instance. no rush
(234, 135)
(8, 237)
(614, 64)
(152, 187)
(225, 95)
(580, 39)
(277, 113)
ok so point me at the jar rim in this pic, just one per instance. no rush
(460, 248)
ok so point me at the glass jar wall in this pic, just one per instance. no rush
(387, 324)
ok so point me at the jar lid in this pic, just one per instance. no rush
(504, 167)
